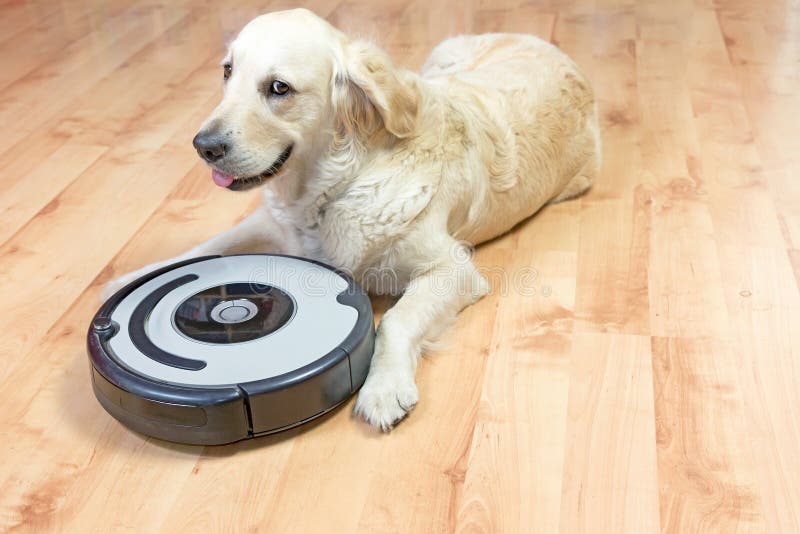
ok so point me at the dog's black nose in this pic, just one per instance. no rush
(210, 146)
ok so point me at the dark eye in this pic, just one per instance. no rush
(279, 88)
(227, 69)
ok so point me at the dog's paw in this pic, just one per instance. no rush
(386, 398)
(108, 290)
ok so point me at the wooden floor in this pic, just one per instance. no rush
(650, 382)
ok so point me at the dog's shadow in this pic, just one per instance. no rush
(381, 303)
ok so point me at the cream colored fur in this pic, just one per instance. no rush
(393, 173)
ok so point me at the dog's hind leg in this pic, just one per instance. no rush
(584, 178)
(576, 187)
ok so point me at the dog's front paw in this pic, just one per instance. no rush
(108, 290)
(386, 398)
(115, 285)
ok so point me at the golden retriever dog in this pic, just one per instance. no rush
(374, 169)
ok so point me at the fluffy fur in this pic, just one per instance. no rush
(392, 173)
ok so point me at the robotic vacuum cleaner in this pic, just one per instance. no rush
(223, 348)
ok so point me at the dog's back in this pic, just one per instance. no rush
(537, 115)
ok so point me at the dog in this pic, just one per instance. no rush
(375, 169)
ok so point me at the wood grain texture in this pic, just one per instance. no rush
(635, 368)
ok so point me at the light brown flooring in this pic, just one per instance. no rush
(651, 382)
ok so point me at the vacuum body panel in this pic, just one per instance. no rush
(219, 349)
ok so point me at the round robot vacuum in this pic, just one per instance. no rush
(223, 348)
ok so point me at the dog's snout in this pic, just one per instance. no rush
(210, 146)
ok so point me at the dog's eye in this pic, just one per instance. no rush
(227, 69)
(279, 88)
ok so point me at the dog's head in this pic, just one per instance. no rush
(292, 84)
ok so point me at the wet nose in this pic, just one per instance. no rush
(210, 146)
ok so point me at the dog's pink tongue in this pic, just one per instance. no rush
(221, 179)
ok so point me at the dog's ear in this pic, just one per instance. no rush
(367, 88)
